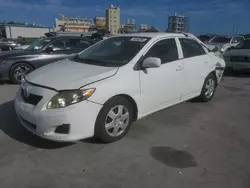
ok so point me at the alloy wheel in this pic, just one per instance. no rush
(20, 72)
(209, 88)
(117, 120)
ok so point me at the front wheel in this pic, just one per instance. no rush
(114, 120)
(18, 71)
(208, 88)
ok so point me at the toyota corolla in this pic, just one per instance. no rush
(103, 89)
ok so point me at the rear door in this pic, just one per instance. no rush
(197, 65)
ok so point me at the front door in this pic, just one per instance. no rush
(162, 86)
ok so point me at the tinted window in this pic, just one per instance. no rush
(166, 50)
(191, 48)
(61, 44)
(79, 44)
(38, 45)
(237, 39)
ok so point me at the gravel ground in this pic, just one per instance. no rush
(189, 145)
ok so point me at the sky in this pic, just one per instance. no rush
(205, 16)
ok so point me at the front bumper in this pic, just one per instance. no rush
(43, 122)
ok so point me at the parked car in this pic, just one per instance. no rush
(8, 44)
(22, 47)
(102, 90)
(15, 64)
(222, 43)
(238, 58)
(205, 38)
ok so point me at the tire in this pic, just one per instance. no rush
(19, 70)
(206, 95)
(107, 134)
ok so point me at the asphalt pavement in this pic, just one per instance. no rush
(189, 145)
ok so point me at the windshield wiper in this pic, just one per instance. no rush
(108, 63)
(86, 60)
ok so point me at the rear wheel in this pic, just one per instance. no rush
(18, 71)
(114, 120)
(208, 88)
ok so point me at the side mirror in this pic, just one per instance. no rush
(151, 62)
(49, 49)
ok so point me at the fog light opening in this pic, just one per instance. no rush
(62, 129)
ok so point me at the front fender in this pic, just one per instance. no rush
(119, 84)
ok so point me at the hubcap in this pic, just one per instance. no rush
(20, 72)
(117, 120)
(210, 86)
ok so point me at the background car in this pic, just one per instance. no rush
(238, 58)
(8, 44)
(15, 64)
(222, 43)
(102, 90)
(22, 47)
(205, 38)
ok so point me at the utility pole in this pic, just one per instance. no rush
(237, 31)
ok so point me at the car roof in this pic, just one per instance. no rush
(154, 35)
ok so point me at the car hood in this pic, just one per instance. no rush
(15, 54)
(213, 45)
(67, 74)
(237, 52)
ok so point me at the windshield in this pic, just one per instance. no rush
(115, 51)
(38, 45)
(220, 40)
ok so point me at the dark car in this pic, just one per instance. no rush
(15, 64)
(238, 58)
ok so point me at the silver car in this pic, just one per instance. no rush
(222, 43)
(238, 58)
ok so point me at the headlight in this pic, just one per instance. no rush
(66, 98)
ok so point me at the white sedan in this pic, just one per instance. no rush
(102, 90)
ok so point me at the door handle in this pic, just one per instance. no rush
(179, 68)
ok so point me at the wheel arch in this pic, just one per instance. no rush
(19, 62)
(213, 72)
(131, 100)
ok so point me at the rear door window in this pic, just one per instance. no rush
(79, 44)
(61, 44)
(191, 48)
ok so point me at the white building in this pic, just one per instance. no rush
(72, 24)
(27, 31)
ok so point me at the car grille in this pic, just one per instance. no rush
(31, 98)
